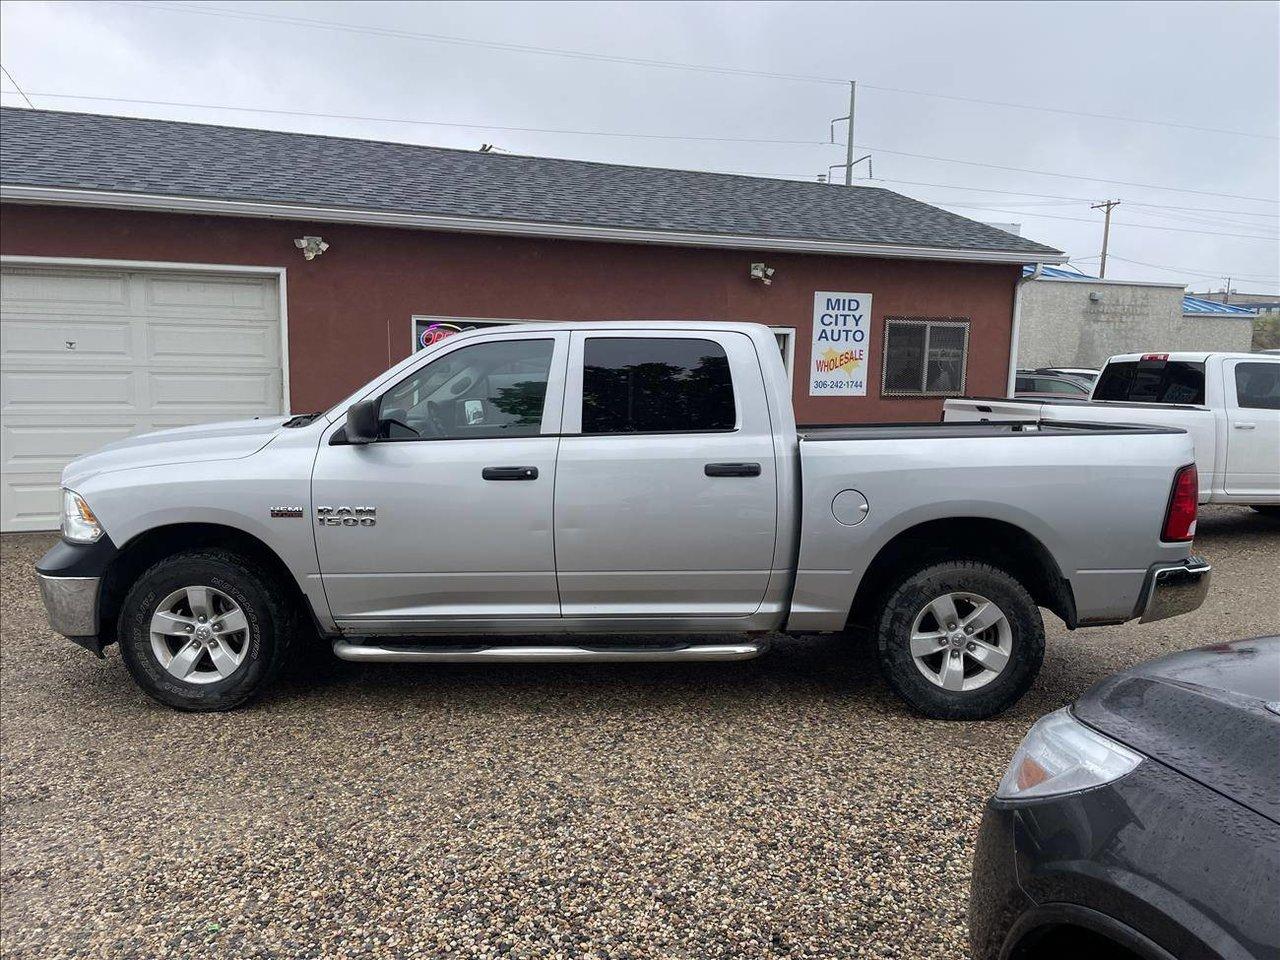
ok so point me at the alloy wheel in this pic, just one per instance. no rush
(961, 641)
(199, 635)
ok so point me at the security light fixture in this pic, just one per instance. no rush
(762, 273)
(311, 247)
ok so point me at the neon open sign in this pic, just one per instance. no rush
(435, 332)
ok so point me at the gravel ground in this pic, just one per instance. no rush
(786, 806)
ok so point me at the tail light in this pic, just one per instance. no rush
(1180, 518)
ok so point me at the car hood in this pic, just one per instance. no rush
(1204, 712)
(211, 441)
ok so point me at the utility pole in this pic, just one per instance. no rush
(1108, 206)
(1226, 291)
(849, 159)
(848, 150)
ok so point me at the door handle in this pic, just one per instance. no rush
(510, 473)
(1244, 426)
(732, 469)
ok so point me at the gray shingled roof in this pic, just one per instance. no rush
(43, 148)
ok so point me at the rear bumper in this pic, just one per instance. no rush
(1174, 589)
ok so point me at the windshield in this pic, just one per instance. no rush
(1152, 381)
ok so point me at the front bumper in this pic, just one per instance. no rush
(71, 604)
(1175, 589)
(1154, 862)
(71, 576)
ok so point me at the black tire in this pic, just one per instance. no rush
(1269, 511)
(271, 629)
(913, 593)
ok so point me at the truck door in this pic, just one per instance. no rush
(1252, 390)
(666, 491)
(448, 515)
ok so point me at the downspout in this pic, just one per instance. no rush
(1017, 318)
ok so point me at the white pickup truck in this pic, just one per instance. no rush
(1228, 402)
(598, 480)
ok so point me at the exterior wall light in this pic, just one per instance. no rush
(311, 247)
(762, 273)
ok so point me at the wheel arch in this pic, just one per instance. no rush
(997, 542)
(153, 545)
(1058, 931)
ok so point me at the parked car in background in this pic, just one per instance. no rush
(1228, 402)
(1087, 374)
(1143, 822)
(589, 479)
(1044, 383)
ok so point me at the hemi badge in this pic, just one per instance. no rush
(286, 511)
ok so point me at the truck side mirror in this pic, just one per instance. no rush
(363, 424)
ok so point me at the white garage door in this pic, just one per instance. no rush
(91, 355)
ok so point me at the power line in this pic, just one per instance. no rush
(1206, 221)
(651, 62)
(1073, 113)
(1239, 213)
(431, 123)
(626, 134)
(1216, 274)
(472, 42)
(1066, 176)
(1141, 226)
(1058, 196)
(16, 87)
(1171, 269)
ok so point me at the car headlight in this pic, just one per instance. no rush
(79, 525)
(1060, 754)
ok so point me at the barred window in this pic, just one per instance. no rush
(924, 357)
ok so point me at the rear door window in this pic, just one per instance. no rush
(655, 385)
(1258, 386)
(1152, 381)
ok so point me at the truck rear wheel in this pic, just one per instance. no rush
(201, 631)
(960, 640)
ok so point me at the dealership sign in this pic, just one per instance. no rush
(841, 335)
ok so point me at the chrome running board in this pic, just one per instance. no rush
(513, 654)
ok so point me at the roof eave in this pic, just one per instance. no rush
(1105, 281)
(64, 196)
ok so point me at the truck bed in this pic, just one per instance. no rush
(1093, 494)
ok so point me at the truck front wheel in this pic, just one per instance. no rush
(201, 631)
(960, 640)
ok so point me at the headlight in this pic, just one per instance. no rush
(1061, 755)
(79, 525)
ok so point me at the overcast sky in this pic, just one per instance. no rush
(1193, 65)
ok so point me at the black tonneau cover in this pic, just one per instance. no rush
(985, 428)
(1073, 402)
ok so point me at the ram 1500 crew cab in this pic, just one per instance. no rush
(1228, 402)
(604, 480)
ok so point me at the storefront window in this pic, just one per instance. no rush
(924, 357)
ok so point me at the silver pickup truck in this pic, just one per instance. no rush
(605, 481)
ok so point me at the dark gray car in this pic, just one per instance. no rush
(1144, 821)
